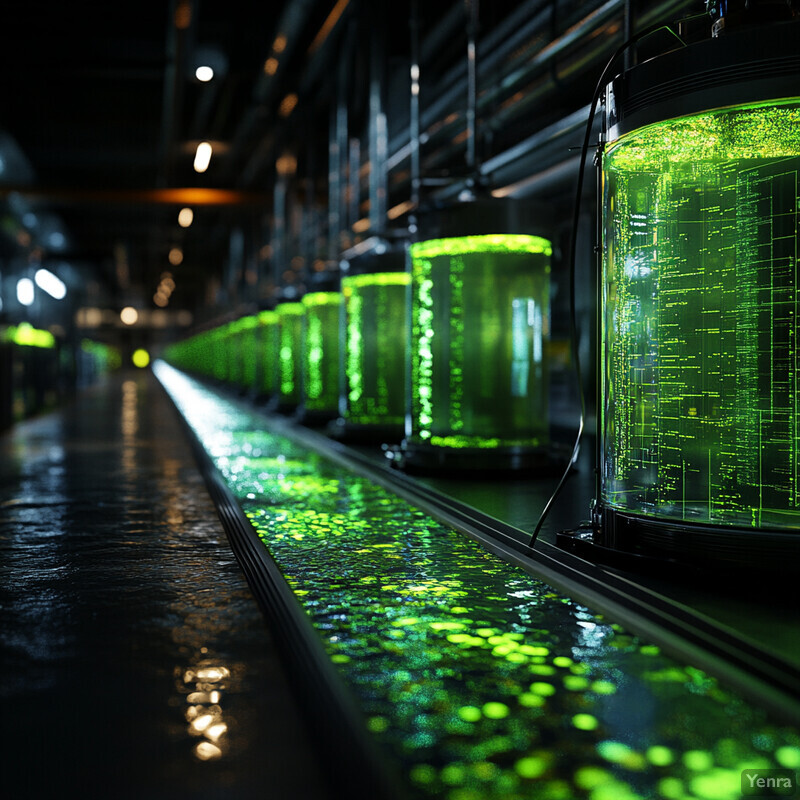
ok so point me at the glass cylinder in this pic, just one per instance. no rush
(290, 339)
(700, 305)
(479, 327)
(376, 328)
(321, 353)
(250, 351)
(269, 350)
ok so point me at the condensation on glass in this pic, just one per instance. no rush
(480, 323)
(290, 340)
(376, 307)
(700, 307)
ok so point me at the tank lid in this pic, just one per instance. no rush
(748, 65)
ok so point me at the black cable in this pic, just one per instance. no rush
(601, 82)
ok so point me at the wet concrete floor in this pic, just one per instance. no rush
(135, 662)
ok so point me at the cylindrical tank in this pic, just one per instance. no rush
(250, 352)
(321, 356)
(699, 301)
(375, 337)
(269, 354)
(290, 340)
(480, 320)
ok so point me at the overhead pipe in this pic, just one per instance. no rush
(549, 84)
(377, 127)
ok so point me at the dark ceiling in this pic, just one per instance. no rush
(101, 113)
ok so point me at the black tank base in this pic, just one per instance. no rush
(348, 432)
(630, 541)
(479, 462)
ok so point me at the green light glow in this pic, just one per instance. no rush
(700, 307)
(460, 661)
(105, 356)
(377, 330)
(26, 335)
(321, 351)
(269, 339)
(249, 346)
(290, 336)
(480, 308)
(140, 358)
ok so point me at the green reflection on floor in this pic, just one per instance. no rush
(481, 681)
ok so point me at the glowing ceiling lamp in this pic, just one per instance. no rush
(50, 283)
(25, 291)
(202, 157)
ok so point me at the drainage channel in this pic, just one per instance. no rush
(448, 671)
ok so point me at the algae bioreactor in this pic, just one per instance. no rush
(699, 303)
(320, 356)
(375, 337)
(480, 316)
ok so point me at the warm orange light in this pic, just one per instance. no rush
(271, 65)
(327, 26)
(175, 256)
(129, 315)
(279, 45)
(287, 105)
(185, 217)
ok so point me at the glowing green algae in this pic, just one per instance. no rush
(480, 310)
(700, 308)
(454, 713)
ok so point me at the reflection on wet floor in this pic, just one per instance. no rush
(135, 661)
(481, 681)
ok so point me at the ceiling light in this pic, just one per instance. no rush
(202, 157)
(185, 217)
(204, 73)
(50, 283)
(129, 315)
(25, 291)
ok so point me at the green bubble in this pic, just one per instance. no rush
(378, 724)
(530, 766)
(698, 760)
(422, 773)
(469, 713)
(340, 658)
(619, 753)
(453, 774)
(591, 777)
(562, 661)
(585, 722)
(717, 784)
(603, 687)
(543, 689)
(649, 650)
(788, 757)
(542, 669)
(531, 700)
(659, 756)
(671, 788)
(575, 683)
(495, 710)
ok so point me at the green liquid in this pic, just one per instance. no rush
(480, 324)
(269, 344)
(290, 338)
(700, 308)
(376, 343)
(321, 351)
